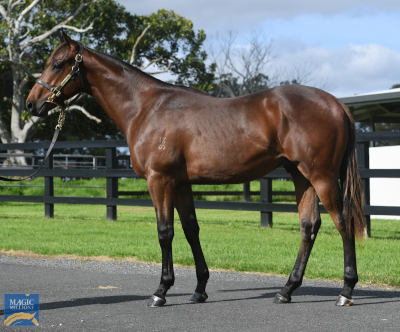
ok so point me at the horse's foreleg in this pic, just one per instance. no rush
(185, 206)
(310, 222)
(161, 190)
(331, 197)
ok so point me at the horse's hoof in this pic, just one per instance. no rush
(156, 302)
(281, 299)
(198, 298)
(344, 301)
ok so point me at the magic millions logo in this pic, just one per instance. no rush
(21, 309)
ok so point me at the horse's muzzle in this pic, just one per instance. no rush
(41, 112)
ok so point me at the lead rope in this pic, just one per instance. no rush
(61, 120)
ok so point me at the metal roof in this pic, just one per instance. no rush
(381, 106)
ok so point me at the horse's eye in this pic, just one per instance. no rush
(58, 65)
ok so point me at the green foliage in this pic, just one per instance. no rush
(172, 38)
(115, 31)
(3, 32)
(106, 15)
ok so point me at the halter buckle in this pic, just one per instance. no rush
(78, 57)
(56, 92)
(51, 98)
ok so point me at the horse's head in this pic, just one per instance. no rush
(57, 82)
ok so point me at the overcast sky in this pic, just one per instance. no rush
(353, 44)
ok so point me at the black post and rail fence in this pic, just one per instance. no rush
(111, 172)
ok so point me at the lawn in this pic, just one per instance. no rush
(97, 188)
(231, 240)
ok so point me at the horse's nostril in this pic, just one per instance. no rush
(30, 106)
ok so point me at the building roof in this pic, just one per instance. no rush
(380, 106)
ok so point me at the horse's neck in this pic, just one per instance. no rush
(116, 87)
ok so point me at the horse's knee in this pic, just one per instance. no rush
(306, 225)
(165, 235)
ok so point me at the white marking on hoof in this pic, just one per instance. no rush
(312, 237)
(344, 301)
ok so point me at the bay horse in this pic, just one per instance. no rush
(179, 136)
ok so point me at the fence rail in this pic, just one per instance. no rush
(266, 207)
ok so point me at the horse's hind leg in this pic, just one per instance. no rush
(161, 190)
(185, 206)
(310, 222)
(331, 197)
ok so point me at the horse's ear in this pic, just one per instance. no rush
(64, 38)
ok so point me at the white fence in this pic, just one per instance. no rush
(385, 191)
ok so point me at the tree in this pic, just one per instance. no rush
(170, 40)
(28, 36)
(303, 73)
(20, 28)
(242, 70)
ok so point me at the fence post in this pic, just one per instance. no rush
(49, 187)
(266, 197)
(363, 162)
(246, 192)
(112, 183)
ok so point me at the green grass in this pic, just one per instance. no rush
(231, 240)
(63, 188)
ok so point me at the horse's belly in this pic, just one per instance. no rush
(231, 166)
